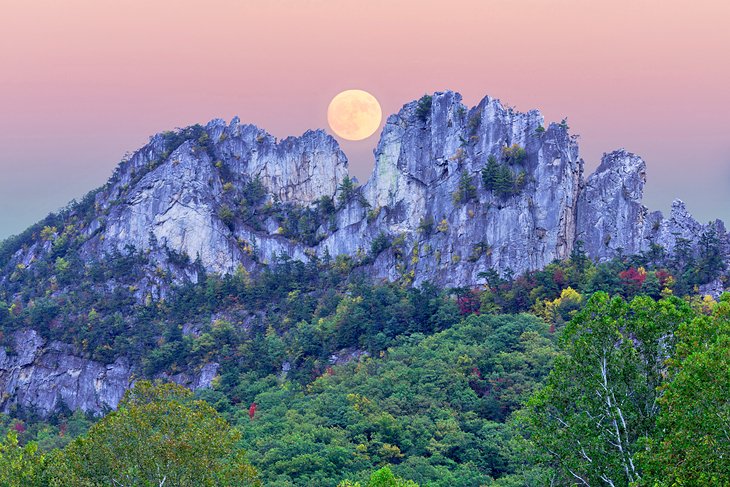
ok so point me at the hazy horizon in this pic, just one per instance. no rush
(84, 82)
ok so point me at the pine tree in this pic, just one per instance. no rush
(489, 173)
(504, 182)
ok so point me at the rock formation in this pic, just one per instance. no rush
(455, 191)
(41, 376)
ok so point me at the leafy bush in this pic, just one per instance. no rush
(466, 191)
(423, 108)
(379, 244)
(514, 154)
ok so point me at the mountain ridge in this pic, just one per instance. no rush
(186, 188)
(455, 193)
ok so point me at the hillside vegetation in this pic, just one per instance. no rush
(326, 378)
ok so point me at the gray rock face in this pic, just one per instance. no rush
(187, 197)
(611, 217)
(40, 376)
(420, 163)
(178, 202)
(613, 220)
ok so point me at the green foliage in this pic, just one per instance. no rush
(478, 250)
(254, 192)
(432, 407)
(381, 478)
(514, 154)
(159, 435)
(346, 190)
(499, 178)
(20, 466)
(226, 215)
(326, 206)
(423, 108)
(600, 402)
(710, 262)
(693, 443)
(466, 191)
(380, 243)
(489, 173)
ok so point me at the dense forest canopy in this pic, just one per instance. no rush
(581, 373)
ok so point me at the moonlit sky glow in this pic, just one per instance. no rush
(84, 81)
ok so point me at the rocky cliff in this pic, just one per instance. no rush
(455, 191)
(40, 376)
(428, 197)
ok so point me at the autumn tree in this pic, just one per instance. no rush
(159, 436)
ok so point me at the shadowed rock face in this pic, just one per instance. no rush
(184, 193)
(41, 376)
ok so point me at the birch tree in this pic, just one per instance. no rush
(600, 401)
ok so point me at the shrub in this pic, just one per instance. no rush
(379, 244)
(514, 154)
(226, 215)
(423, 109)
(466, 191)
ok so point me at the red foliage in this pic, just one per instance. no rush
(559, 277)
(552, 328)
(633, 277)
(252, 410)
(62, 429)
(469, 303)
(476, 372)
(19, 427)
(329, 371)
(663, 275)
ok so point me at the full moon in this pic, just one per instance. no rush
(354, 114)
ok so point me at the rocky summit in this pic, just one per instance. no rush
(455, 192)
(430, 206)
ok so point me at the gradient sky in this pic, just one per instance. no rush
(84, 81)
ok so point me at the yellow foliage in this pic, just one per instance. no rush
(550, 311)
(48, 232)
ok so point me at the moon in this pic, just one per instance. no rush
(354, 114)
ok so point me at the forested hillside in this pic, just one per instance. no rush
(535, 380)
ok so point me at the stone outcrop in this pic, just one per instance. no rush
(40, 376)
(611, 217)
(422, 159)
(177, 203)
(183, 193)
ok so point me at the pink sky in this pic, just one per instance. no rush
(84, 81)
